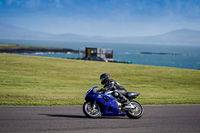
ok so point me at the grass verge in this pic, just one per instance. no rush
(27, 80)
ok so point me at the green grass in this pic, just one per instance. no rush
(27, 80)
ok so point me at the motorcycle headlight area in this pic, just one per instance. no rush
(89, 91)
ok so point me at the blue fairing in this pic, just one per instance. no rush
(108, 104)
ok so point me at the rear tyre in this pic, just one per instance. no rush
(136, 112)
(91, 112)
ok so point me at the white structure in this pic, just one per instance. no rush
(99, 54)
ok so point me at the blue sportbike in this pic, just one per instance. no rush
(105, 104)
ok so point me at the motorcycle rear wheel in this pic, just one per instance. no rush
(137, 112)
(91, 112)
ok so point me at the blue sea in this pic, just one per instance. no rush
(176, 56)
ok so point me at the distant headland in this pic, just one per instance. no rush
(15, 48)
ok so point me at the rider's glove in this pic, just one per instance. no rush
(100, 90)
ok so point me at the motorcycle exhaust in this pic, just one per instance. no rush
(128, 107)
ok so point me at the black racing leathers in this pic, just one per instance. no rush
(118, 90)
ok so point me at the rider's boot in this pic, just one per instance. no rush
(124, 100)
(126, 103)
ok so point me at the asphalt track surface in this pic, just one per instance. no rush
(59, 119)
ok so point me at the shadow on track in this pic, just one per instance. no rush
(64, 116)
(84, 117)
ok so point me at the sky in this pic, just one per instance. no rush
(111, 18)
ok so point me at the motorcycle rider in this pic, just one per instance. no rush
(118, 90)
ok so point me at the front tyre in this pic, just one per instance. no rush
(91, 111)
(136, 112)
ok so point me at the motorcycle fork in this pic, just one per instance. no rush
(93, 104)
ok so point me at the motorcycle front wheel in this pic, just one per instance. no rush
(90, 110)
(136, 112)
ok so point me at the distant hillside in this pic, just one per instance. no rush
(13, 32)
(181, 37)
